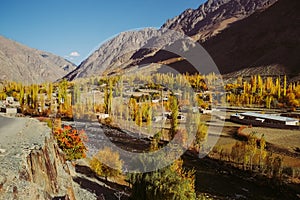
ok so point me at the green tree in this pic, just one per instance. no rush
(170, 183)
(50, 91)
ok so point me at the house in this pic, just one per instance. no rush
(264, 119)
(102, 116)
(11, 111)
(155, 100)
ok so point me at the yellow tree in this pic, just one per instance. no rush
(262, 153)
(106, 163)
(284, 86)
(174, 115)
(201, 135)
(278, 87)
(251, 147)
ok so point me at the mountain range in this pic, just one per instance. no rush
(243, 37)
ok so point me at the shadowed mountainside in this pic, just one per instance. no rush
(268, 38)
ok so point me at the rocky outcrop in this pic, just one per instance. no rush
(23, 64)
(31, 164)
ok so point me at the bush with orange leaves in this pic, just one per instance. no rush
(71, 141)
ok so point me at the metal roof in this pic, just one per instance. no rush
(268, 116)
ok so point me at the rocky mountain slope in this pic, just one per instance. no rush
(213, 16)
(240, 35)
(112, 53)
(23, 64)
(268, 39)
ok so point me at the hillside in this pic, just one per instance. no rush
(242, 37)
(112, 53)
(214, 16)
(269, 38)
(23, 64)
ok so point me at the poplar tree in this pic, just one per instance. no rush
(108, 97)
(284, 86)
(174, 115)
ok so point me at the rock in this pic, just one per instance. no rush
(40, 170)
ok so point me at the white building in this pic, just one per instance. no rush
(265, 118)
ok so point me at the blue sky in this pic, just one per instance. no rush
(79, 26)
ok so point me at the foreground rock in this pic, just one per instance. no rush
(31, 164)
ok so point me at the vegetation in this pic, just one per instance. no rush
(71, 141)
(106, 163)
(172, 182)
(174, 116)
(136, 100)
(69, 99)
(265, 92)
(252, 155)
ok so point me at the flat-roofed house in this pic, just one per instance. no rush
(264, 119)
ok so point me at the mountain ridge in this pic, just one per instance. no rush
(21, 63)
(206, 22)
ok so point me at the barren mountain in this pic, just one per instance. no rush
(263, 40)
(238, 34)
(23, 64)
(214, 16)
(112, 53)
(132, 48)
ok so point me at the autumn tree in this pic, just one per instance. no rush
(262, 152)
(201, 135)
(106, 163)
(251, 148)
(284, 86)
(108, 96)
(71, 141)
(133, 108)
(174, 115)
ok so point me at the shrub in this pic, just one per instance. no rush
(71, 140)
(111, 164)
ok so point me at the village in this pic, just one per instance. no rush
(136, 112)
